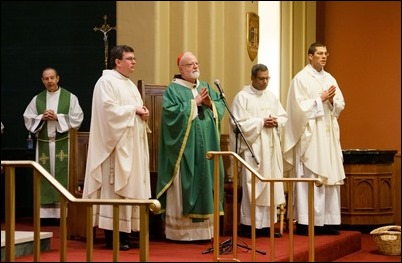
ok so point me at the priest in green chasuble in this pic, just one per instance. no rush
(192, 112)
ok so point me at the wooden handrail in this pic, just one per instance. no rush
(256, 176)
(152, 205)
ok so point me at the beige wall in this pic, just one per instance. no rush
(214, 30)
(298, 31)
(362, 37)
(216, 33)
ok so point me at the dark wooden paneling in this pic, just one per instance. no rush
(152, 96)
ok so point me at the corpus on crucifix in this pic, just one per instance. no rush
(105, 28)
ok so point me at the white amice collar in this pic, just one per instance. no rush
(56, 92)
(115, 73)
(186, 83)
(315, 72)
(256, 91)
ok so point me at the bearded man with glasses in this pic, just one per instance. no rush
(192, 112)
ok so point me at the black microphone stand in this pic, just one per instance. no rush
(223, 246)
(237, 130)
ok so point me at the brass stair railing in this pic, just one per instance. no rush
(256, 176)
(9, 168)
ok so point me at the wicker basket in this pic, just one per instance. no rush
(388, 240)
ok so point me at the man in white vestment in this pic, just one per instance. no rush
(312, 146)
(50, 115)
(260, 118)
(118, 154)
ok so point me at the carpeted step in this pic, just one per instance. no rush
(24, 242)
(327, 248)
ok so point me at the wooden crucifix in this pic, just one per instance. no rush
(105, 28)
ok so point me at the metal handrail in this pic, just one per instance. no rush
(152, 205)
(256, 176)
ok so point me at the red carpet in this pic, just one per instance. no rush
(350, 246)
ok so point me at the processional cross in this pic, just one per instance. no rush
(105, 28)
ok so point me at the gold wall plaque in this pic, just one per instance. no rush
(253, 34)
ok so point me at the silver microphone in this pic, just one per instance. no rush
(216, 82)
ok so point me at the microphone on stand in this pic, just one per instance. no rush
(201, 112)
(216, 82)
(200, 109)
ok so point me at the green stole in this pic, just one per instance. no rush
(50, 195)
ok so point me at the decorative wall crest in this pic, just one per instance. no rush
(253, 34)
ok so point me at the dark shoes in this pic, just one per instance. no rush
(122, 247)
(131, 244)
(125, 242)
(50, 221)
(245, 231)
(301, 230)
(318, 230)
(326, 230)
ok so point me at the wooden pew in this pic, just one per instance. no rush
(78, 158)
(152, 95)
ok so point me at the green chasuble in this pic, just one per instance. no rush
(48, 194)
(183, 145)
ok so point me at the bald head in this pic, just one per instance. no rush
(184, 57)
(188, 66)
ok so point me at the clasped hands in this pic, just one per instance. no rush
(143, 112)
(270, 122)
(49, 115)
(203, 98)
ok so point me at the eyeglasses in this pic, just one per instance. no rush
(130, 59)
(262, 79)
(192, 64)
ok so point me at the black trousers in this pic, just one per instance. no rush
(123, 237)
